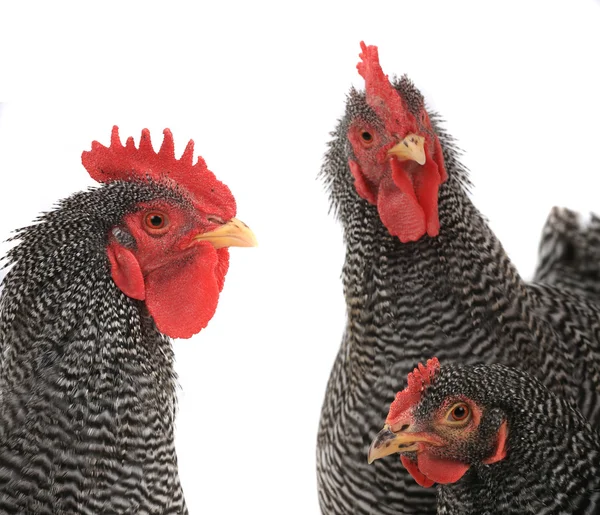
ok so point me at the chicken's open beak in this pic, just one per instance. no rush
(387, 442)
(234, 233)
(411, 148)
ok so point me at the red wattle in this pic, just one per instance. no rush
(440, 470)
(183, 297)
(407, 210)
(427, 184)
(414, 471)
(399, 208)
(360, 183)
(222, 266)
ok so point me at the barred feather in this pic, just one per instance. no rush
(456, 296)
(87, 400)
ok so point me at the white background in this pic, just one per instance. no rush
(258, 86)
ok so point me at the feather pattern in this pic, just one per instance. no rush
(553, 461)
(87, 386)
(456, 296)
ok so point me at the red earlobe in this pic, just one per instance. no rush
(500, 452)
(126, 271)
(360, 184)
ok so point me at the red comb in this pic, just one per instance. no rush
(418, 380)
(381, 95)
(118, 162)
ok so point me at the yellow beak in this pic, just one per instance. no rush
(234, 233)
(387, 442)
(411, 148)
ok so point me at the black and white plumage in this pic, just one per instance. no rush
(519, 447)
(456, 296)
(96, 289)
(569, 252)
(87, 387)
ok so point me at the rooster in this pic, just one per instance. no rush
(424, 275)
(97, 288)
(495, 439)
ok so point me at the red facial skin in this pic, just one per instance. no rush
(180, 279)
(444, 432)
(437, 438)
(405, 193)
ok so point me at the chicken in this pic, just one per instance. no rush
(424, 275)
(495, 439)
(96, 288)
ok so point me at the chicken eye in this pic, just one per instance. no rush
(156, 221)
(459, 413)
(366, 136)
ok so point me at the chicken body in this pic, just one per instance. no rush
(516, 448)
(87, 384)
(455, 295)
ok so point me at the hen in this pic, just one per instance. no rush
(424, 275)
(496, 440)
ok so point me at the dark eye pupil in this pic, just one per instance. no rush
(459, 412)
(367, 136)
(156, 220)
